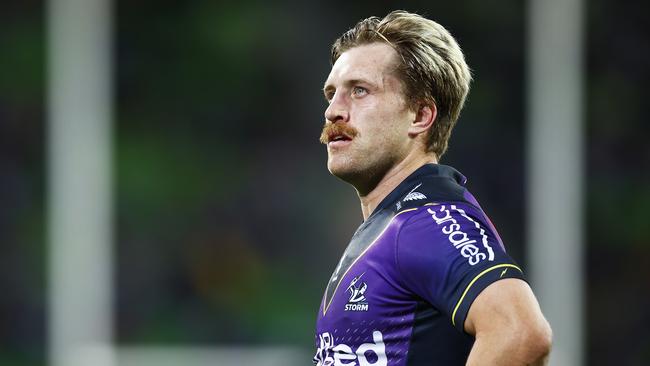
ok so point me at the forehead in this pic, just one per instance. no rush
(372, 62)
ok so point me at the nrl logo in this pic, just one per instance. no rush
(357, 301)
(413, 195)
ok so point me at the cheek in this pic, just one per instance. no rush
(390, 124)
(381, 122)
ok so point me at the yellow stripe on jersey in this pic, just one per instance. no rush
(453, 315)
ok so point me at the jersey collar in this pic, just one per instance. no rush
(427, 170)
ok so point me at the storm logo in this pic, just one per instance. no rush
(357, 301)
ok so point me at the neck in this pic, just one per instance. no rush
(393, 177)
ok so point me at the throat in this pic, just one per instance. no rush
(371, 198)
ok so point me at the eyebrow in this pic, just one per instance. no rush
(349, 82)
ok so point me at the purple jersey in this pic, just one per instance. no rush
(400, 293)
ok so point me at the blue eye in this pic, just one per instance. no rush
(359, 91)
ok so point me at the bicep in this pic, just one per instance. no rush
(508, 326)
(504, 306)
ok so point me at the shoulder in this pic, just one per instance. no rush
(447, 230)
(448, 253)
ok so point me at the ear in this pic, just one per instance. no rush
(425, 116)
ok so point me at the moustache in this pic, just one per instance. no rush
(331, 130)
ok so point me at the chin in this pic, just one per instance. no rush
(338, 170)
(343, 169)
(364, 175)
(361, 177)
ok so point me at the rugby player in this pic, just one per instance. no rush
(425, 279)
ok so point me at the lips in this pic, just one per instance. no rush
(333, 137)
(337, 133)
(337, 141)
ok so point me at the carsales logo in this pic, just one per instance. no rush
(468, 247)
(329, 354)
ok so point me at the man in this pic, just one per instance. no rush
(425, 280)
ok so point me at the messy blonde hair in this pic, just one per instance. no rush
(431, 66)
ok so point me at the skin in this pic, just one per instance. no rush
(365, 94)
(508, 326)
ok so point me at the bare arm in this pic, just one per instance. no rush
(508, 326)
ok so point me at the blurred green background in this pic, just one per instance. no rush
(227, 221)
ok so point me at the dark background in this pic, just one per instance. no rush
(227, 221)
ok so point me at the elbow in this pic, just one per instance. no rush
(537, 341)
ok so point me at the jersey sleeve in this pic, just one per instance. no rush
(447, 254)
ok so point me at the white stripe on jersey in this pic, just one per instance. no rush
(485, 238)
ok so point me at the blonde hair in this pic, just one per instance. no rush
(431, 65)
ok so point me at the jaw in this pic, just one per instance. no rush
(363, 174)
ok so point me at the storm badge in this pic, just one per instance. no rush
(357, 301)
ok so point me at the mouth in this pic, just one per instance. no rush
(337, 134)
(338, 137)
(338, 140)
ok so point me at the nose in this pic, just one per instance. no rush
(337, 111)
